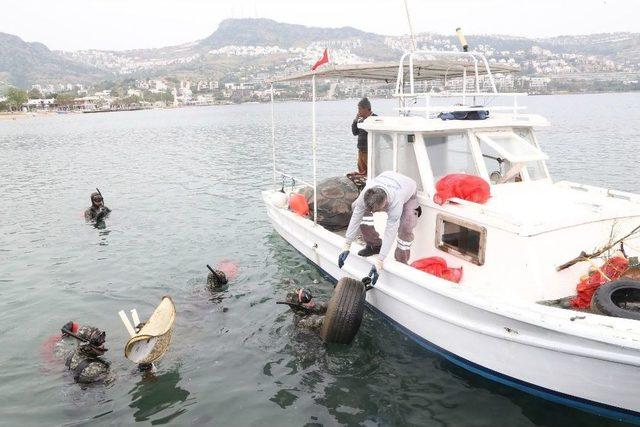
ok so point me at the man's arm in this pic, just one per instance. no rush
(356, 218)
(354, 127)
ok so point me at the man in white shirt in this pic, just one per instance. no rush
(394, 194)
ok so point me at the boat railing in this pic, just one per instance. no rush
(293, 179)
(473, 66)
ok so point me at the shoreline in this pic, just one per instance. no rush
(4, 116)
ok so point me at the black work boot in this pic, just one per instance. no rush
(369, 250)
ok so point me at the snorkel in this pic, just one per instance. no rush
(95, 342)
(69, 326)
(220, 277)
(304, 303)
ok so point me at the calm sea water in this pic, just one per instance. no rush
(184, 188)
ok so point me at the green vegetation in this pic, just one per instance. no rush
(129, 101)
(64, 99)
(157, 97)
(15, 98)
(34, 94)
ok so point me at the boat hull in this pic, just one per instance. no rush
(588, 374)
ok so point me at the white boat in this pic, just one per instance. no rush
(491, 323)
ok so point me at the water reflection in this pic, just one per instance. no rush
(159, 394)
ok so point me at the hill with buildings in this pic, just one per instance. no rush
(233, 62)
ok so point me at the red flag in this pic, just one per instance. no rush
(323, 60)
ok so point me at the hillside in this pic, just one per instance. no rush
(266, 32)
(22, 64)
(251, 47)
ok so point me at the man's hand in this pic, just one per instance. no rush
(344, 254)
(374, 273)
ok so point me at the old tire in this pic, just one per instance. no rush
(344, 312)
(611, 298)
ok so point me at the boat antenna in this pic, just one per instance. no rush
(413, 37)
(462, 40)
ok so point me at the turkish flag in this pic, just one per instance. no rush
(323, 60)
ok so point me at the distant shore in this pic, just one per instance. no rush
(26, 114)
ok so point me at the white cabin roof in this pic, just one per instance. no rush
(422, 124)
(533, 208)
(388, 71)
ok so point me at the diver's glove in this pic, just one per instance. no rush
(344, 254)
(102, 214)
(374, 273)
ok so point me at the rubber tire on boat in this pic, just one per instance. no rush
(607, 297)
(344, 312)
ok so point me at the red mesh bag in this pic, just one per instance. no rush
(438, 267)
(613, 268)
(298, 204)
(463, 186)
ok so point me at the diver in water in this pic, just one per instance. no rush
(216, 280)
(308, 313)
(85, 360)
(98, 211)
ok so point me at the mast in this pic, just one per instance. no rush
(413, 37)
(313, 148)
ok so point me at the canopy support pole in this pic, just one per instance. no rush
(464, 85)
(273, 137)
(313, 148)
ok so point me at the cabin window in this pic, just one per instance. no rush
(450, 154)
(506, 155)
(407, 163)
(536, 169)
(461, 238)
(382, 153)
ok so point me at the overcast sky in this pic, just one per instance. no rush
(128, 24)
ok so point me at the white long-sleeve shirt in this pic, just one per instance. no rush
(399, 189)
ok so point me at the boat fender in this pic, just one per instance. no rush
(344, 312)
(298, 204)
(611, 299)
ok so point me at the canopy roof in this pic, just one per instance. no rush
(388, 71)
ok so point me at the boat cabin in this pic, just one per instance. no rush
(510, 246)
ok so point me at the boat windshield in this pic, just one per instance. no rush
(504, 156)
(537, 170)
(407, 163)
(509, 157)
(449, 154)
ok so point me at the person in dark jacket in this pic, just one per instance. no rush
(364, 111)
